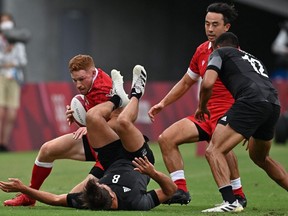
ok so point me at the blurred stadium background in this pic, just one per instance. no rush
(162, 35)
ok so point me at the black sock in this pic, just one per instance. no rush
(227, 194)
(115, 100)
(135, 94)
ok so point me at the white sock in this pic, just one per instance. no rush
(236, 183)
(179, 174)
(43, 164)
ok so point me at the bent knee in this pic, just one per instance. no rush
(46, 151)
(259, 161)
(166, 142)
(122, 124)
(92, 116)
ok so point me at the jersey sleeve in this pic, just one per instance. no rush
(215, 61)
(147, 201)
(193, 70)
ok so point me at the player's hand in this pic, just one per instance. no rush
(201, 113)
(143, 165)
(13, 185)
(154, 111)
(79, 133)
(69, 115)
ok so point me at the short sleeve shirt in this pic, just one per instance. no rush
(100, 91)
(244, 75)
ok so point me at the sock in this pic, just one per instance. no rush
(135, 93)
(178, 178)
(227, 194)
(40, 172)
(237, 187)
(115, 100)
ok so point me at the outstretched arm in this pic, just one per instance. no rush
(15, 185)
(167, 186)
(174, 94)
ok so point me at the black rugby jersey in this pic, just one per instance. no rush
(130, 186)
(244, 75)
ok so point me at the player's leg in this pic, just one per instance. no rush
(182, 131)
(99, 130)
(100, 119)
(260, 144)
(224, 139)
(259, 153)
(63, 147)
(235, 178)
(132, 139)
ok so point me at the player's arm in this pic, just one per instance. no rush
(178, 90)
(15, 185)
(167, 186)
(207, 83)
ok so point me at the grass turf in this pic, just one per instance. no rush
(264, 196)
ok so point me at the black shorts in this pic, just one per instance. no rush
(256, 119)
(203, 135)
(90, 154)
(115, 151)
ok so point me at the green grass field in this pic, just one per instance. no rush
(264, 196)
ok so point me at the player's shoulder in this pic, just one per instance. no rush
(204, 49)
(103, 77)
(205, 46)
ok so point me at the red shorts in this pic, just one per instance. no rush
(216, 112)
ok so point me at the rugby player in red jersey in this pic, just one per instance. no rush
(188, 130)
(95, 85)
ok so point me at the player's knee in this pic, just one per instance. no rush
(165, 142)
(122, 124)
(259, 161)
(210, 152)
(92, 116)
(45, 151)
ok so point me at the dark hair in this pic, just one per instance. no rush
(227, 39)
(95, 198)
(228, 11)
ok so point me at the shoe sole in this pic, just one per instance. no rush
(137, 72)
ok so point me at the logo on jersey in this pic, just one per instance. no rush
(125, 189)
(224, 118)
(203, 62)
(144, 152)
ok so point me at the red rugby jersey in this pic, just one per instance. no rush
(220, 95)
(100, 91)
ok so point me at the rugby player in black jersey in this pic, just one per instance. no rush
(252, 116)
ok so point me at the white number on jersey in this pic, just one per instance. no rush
(256, 64)
(115, 179)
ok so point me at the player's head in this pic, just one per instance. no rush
(81, 62)
(96, 196)
(218, 19)
(82, 70)
(227, 39)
